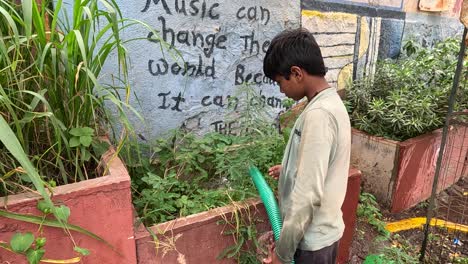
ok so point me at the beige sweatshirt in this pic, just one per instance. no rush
(312, 183)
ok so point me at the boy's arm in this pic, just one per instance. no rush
(317, 137)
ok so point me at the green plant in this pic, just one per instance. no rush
(423, 205)
(460, 260)
(52, 106)
(400, 252)
(434, 237)
(186, 174)
(21, 243)
(368, 208)
(288, 102)
(391, 256)
(409, 96)
(50, 95)
(166, 198)
(242, 227)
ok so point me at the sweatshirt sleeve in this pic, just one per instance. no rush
(317, 137)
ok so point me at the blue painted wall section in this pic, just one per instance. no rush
(391, 36)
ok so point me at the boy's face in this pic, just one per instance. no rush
(292, 88)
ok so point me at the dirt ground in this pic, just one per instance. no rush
(444, 246)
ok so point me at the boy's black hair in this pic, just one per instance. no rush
(293, 48)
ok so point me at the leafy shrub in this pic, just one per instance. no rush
(408, 97)
(187, 174)
(49, 89)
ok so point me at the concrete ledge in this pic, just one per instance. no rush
(102, 206)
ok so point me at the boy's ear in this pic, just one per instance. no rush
(297, 73)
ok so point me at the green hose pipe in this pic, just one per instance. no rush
(269, 200)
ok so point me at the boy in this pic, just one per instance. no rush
(314, 171)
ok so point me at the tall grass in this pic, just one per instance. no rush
(50, 95)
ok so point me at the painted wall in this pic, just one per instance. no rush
(355, 34)
(221, 45)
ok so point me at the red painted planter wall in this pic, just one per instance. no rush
(102, 206)
(401, 174)
(417, 163)
(349, 214)
(200, 239)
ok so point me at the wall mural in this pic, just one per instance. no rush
(221, 46)
(355, 34)
(347, 41)
(223, 43)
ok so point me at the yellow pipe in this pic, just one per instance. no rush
(419, 222)
(62, 261)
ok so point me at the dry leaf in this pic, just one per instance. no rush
(181, 259)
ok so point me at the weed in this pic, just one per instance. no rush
(164, 199)
(187, 174)
(460, 260)
(368, 209)
(399, 252)
(423, 205)
(242, 227)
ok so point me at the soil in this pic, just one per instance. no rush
(443, 246)
(364, 242)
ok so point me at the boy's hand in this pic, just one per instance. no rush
(275, 171)
(272, 258)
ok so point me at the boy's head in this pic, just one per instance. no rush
(293, 53)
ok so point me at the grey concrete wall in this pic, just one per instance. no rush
(221, 45)
(377, 159)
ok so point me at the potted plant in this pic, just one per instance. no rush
(54, 112)
(397, 114)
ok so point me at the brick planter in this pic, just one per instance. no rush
(400, 174)
(200, 238)
(102, 206)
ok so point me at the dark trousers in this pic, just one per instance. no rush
(325, 255)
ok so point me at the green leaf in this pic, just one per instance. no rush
(86, 155)
(86, 140)
(40, 242)
(82, 131)
(44, 207)
(52, 223)
(34, 256)
(25, 178)
(227, 251)
(30, 116)
(82, 251)
(373, 259)
(8, 138)
(21, 242)
(100, 147)
(62, 213)
(74, 142)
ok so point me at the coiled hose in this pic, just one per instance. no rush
(269, 200)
